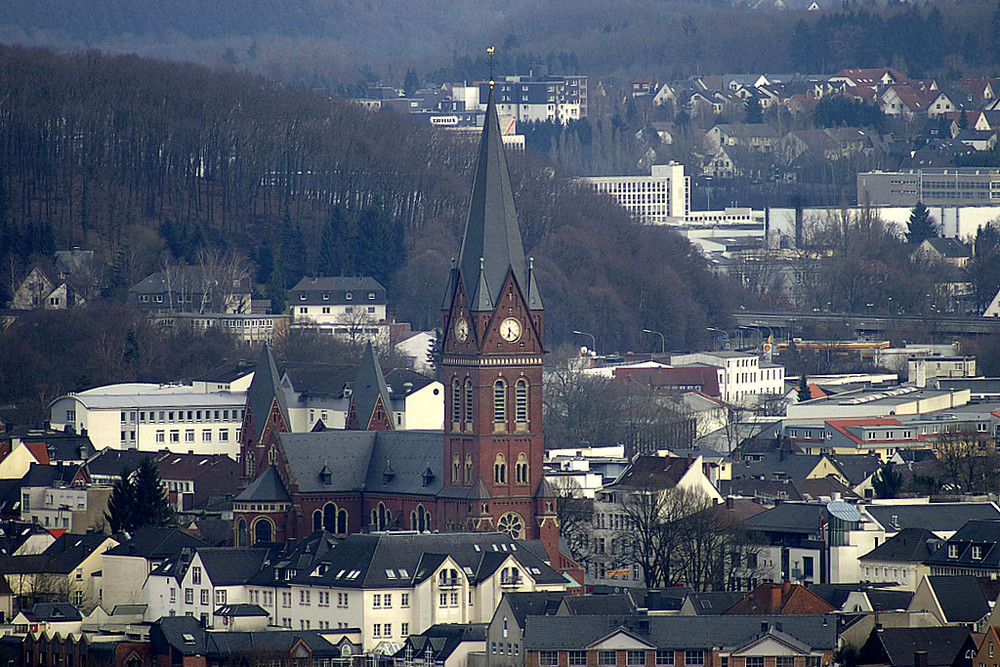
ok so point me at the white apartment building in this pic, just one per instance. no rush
(743, 377)
(344, 306)
(662, 197)
(72, 508)
(151, 417)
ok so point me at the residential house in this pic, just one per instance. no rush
(900, 559)
(943, 519)
(447, 644)
(55, 503)
(646, 475)
(918, 647)
(938, 249)
(68, 570)
(904, 102)
(507, 626)
(6, 601)
(191, 480)
(874, 77)
(55, 618)
(988, 653)
(954, 600)
(196, 582)
(681, 641)
(40, 292)
(755, 137)
(126, 566)
(343, 305)
(192, 289)
(973, 550)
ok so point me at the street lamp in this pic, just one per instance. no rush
(593, 341)
(663, 341)
(724, 336)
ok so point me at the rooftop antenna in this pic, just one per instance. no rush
(490, 51)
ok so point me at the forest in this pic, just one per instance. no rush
(147, 162)
(334, 46)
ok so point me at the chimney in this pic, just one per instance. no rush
(730, 502)
(786, 587)
(776, 597)
(920, 659)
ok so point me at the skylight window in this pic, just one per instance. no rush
(188, 639)
(391, 574)
(403, 573)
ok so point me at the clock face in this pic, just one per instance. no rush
(510, 329)
(462, 329)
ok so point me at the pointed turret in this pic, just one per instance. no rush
(492, 244)
(370, 407)
(263, 392)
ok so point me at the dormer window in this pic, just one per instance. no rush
(349, 296)
(977, 553)
(302, 296)
(952, 551)
(371, 296)
(326, 296)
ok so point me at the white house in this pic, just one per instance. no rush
(124, 569)
(743, 378)
(344, 306)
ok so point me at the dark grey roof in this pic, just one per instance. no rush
(156, 543)
(190, 278)
(910, 545)
(61, 557)
(789, 517)
(777, 465)
(268, 487)
(952, 247)
(492, 244)
(227, 372)
(53, 612)
(374, 461)
(229, 567)
(597, 605)
(938, 517)
(836, 595)
(537, 603)
(896, 646)
(961, 598)
(185, 636)
(677, 632)
(391, 560)
(110, 462)
(336, 288)
(857, 468)
(369, 385)
(264, 389)
(889, 599)
(241, 609)
(440, 641)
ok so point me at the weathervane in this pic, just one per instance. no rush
(490, 51)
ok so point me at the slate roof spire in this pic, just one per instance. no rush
(492, 243)
(368, 390)
(264, 389)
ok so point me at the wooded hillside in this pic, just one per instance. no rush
(147, 162)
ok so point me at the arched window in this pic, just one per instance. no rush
(468, 400)
(341, 522)
(380, 517)
(456, 468)
(263, 531)
(241, 533)
(420, 519)
(317, 520)
(500, 470)
(330, 518)
(521, 469)
(456, 401)
(468, 468)
(521, 401)
(250, 464)
(499, 402)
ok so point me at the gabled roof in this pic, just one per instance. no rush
(156, 543)
(440, 641)
(61, 557)
(597, 605)
(227, 566)
(960, 597)
(368, 388)
(898, 645)
(111, 462)
(242, 610)
(783, 599)
(53, 612)
(857, 468)
(652, 472)
(952, 248)
(713, 602)
(264, 389)
(910, 545)
(777, 465)
(268, 487)
(492, 245)
(536, 603)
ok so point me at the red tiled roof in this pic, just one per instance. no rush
(39, 451)
(783, 599)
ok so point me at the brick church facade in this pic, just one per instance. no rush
(484, 473)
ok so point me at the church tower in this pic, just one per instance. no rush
(492, 363)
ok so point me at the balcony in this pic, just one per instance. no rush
(449, 583)
(511, 582)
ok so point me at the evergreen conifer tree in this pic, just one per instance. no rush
(921, 225)
(151, 506)
(803, 389)
(752, 111)
(120, 514)
(330, 243)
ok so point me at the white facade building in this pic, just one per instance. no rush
(662, 197)
(743, 378)
(353, 308)
(152, 417)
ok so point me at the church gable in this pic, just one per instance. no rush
(461, 334)
(512, 328)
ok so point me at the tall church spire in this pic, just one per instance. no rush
(492, 244)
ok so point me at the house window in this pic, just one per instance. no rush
(755, 661)
(577, 658)
(952, 551)
(404, 600)
(665, 658)
(196, 575)
(188, 596)
(605, 658)
(694, 658)
(636, 658)
(404, 629)
(220, 597)
(173, 595)
(377, 601)
(807, 566)
(548, 658)
(204, 596)
(977, 552)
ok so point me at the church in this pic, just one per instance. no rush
(484, 472)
